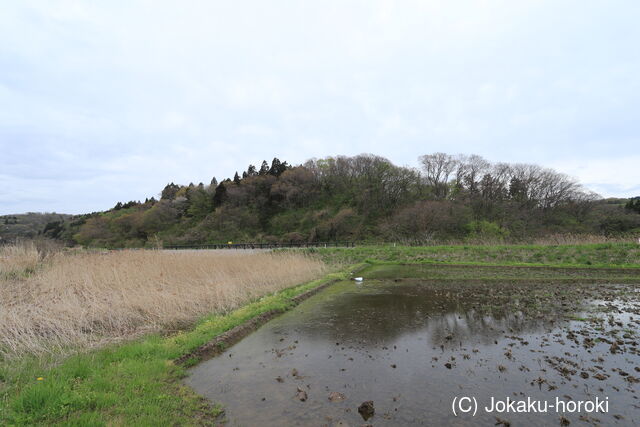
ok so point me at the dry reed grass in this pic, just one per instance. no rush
(18, 259)
(89, 298)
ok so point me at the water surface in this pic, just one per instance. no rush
(411, 346)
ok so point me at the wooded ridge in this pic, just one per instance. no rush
(362, 198)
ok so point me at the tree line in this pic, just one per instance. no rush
(362, 198)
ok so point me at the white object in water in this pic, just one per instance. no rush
(358, 279)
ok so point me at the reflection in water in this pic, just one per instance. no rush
(410, 347)
(376, 312)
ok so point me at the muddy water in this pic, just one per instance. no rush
(411, 347)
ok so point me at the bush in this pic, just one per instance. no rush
(427, 220)
(294, 237)
(485, 231)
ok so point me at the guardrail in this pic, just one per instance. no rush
(265, 245)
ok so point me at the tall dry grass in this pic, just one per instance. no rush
(86, 299)
(18, 259)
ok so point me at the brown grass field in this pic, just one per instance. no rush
(18, 259)
(56, 301)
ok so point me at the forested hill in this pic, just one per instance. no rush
(361, 198)
(30, 225)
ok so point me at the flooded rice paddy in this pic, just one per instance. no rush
(410, 339)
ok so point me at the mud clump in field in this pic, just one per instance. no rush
(301, 395)
(366, 409)
(335, 396)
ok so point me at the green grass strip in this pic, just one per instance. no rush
(618, 255)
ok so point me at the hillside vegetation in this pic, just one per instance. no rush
(30, 225)
(365, 198)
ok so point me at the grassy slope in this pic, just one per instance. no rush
(129, 384)
(619, 255)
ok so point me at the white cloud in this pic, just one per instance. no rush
(613, 176)
(109, 100)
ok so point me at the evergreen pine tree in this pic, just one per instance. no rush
(220, 195)
(275, 167)
(633, 204)
(264, 169)
(169, 191)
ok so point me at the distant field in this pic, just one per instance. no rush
(601, 254)
(507, 274)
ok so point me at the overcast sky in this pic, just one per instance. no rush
(108, 101)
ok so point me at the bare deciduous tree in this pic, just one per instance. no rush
(438, 167)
